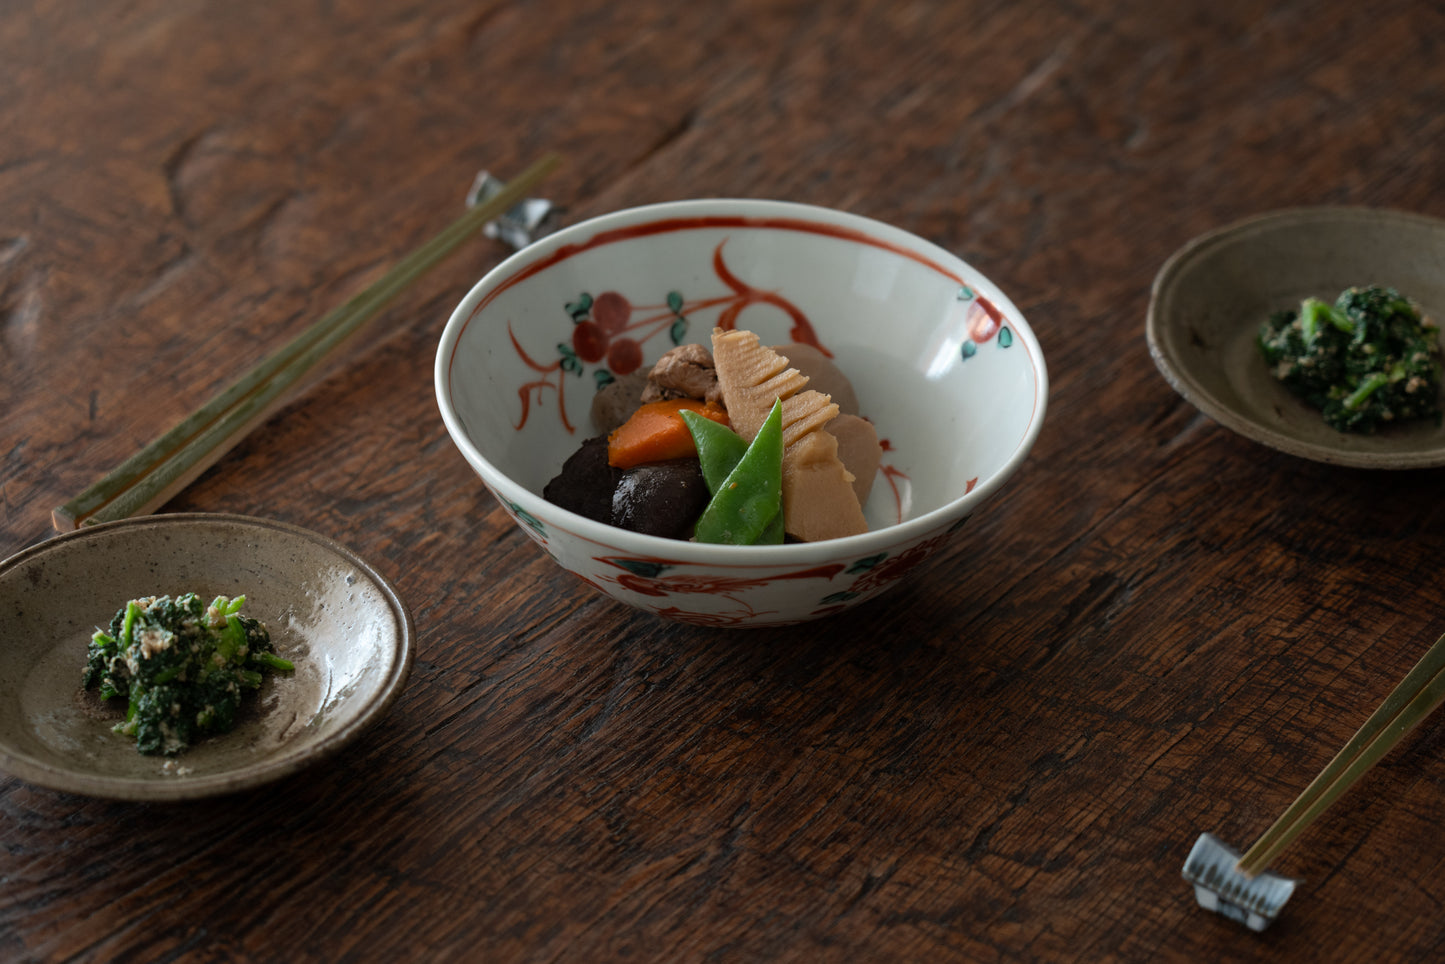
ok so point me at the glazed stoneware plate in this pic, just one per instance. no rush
(1210, 298)
(335, 617)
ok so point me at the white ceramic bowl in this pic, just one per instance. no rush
(943, 363)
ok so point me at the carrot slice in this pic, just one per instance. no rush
(656, 432)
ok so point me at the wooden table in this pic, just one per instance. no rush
(1160, 628)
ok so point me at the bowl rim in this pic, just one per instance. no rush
(265, 768)
(768, 213)
(1163, 338)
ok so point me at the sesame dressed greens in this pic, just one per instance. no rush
(181, 666)
(1368, 360)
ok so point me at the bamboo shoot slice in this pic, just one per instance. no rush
(819, 501)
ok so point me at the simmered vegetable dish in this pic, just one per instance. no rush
(733, 446)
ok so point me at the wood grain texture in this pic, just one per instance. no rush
(1158, 628)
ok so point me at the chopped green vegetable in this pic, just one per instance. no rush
(745, 479)
(1369, 359)
(181, 666)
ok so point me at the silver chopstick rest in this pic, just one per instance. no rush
(524, 223)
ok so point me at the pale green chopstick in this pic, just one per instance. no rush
(148, 479)
(1416, 697)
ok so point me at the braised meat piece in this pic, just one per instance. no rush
(684, 372)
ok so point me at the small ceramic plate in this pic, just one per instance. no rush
(335, 617)
(1210, 298)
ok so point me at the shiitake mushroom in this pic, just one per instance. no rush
(658, 498)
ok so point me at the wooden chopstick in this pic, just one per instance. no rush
(1416, 697)
(146, 480)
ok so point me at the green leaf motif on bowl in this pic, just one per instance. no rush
(580, 308)
(866, 563)
(570, 363)
(641, 567)
(533, 523)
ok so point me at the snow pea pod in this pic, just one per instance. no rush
(719, 448)
(746, 505)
